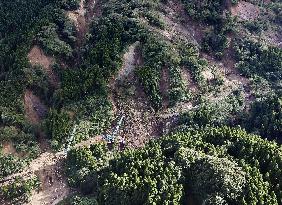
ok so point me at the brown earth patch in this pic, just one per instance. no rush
(44, 144)
(8, 148)
(129, 62)
(35, 110)
(78, 17)
(94, 10)
(232, 79)
(36, 56)
(180, 23)
(88, 9)
(53, 186)
(48, 168)
(273, 37)
(245, 10)
(140, 122)
(208, 75)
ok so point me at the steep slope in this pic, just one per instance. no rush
(74, 68)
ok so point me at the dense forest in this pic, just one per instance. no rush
(141, 102)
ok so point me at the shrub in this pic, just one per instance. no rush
(256, 58)
(79, 200)
(70, 4)
(226, 165)
(266, 117)
(58, 125)
(19, 191)
(51, 42)
(10, 164)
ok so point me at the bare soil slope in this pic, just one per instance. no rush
(129, 99)
(36, 56)
(35, 110)
(245, 10)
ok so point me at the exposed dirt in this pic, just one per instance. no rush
(36, 56)
(208, 75)
(232, 79)
(83, 16)
(90, 141)
(53, 187)
(169, 116)
(129, 62)
(8, 148)
(35, 110)
(180, 23)
(48, 168)
(94, 10)
(175, 30)
(273, 37)
(245, 11)
(78, 17)
(140, 123)
(44, 144)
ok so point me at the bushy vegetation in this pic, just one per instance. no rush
(206, 113)
(79, 200)
(70, 4)
(49, 39)
(83, 90)
(266, 117)
(221, 23)
(276, 6)
(10, 164)
(191, 60)
(18, 191)
(204, 158)
(209, 11)
(212, 164)
(20, 22)
(256, 26)
(255, 58)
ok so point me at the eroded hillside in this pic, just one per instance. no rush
(181, 74)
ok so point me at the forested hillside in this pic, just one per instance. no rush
(141, 102)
